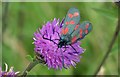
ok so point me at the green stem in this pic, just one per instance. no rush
(30, 66)
(5, 15)
(111, 44)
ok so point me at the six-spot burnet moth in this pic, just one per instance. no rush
(72, 31)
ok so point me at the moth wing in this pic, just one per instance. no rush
(82, 30)
(72, 18)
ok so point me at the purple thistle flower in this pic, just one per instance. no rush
(48, 49)
(0, 72)
(6, 73)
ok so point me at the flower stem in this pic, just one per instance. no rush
(111, 44)
(5, 8)
(30, 66)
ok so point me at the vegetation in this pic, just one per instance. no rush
(21, 20)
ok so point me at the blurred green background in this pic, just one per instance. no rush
(23, 19)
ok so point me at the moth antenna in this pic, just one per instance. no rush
(48, 39)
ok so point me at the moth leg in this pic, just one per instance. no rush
(56, 49)
(56, 39)
(62, 59)
(65, 48)
(74, 48)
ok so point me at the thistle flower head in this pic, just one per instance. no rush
(46, 47)
(6, 73)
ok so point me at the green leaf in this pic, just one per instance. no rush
(110, 14)
(29, 58)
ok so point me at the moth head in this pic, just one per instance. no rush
(64, 39)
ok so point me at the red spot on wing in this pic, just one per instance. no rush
(81, 31)
(74, 39)
(70, 15)
(65, 31)
(76, 27)
(76, 14)
(86, 31)
(62, 31)
(80, 35)
(87, 25)
(67, 23)
(72, 22)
